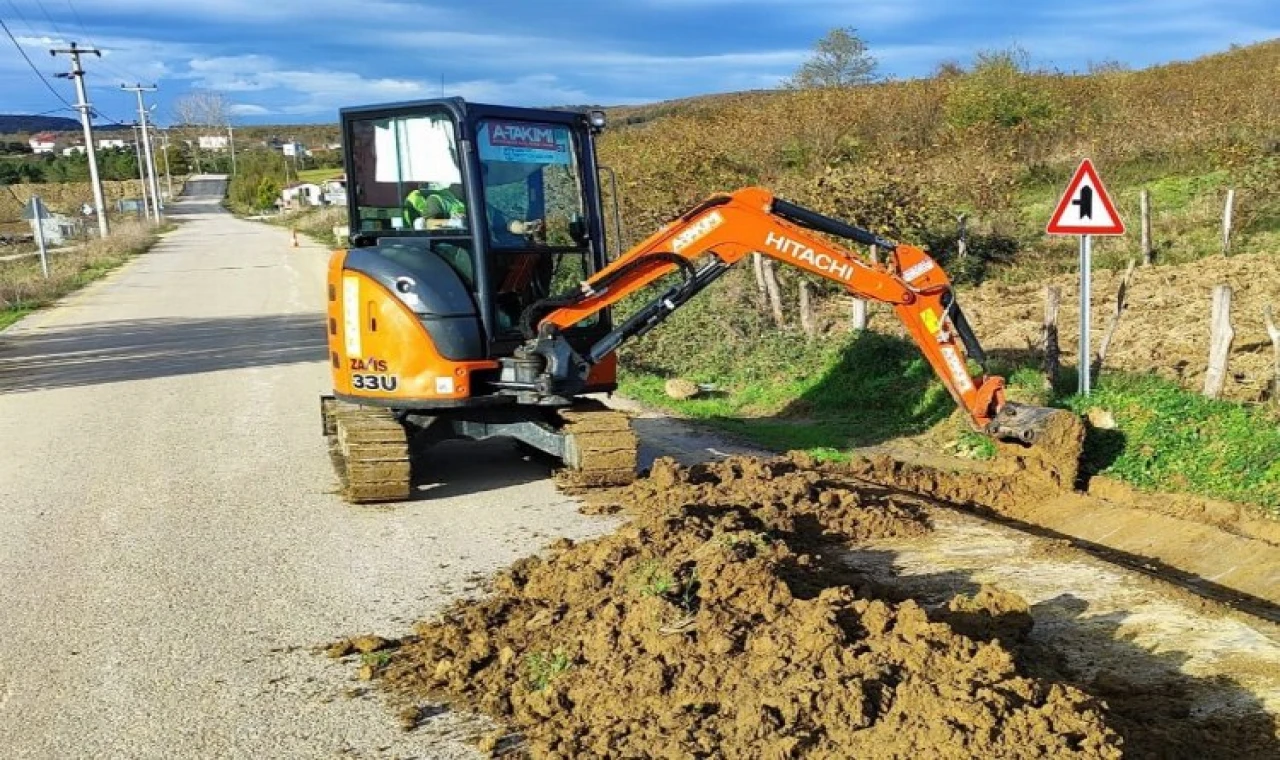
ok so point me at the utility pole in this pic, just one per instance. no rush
(146, 144)
(231, 133)
(168, 178)
(82, 105)
(142, 172)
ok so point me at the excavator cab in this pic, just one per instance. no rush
(461, 217)
(482, 211)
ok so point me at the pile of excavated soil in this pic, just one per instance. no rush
(713, 625)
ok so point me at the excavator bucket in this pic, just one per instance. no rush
(1022, 423)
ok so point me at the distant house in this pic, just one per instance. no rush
(214, 142)
(72, 150)
(334, 191)
(109, 144)
(45, 142)
(293, 148)
(57, 228)
(302, 194)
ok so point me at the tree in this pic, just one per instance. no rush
(198, 111)
(840, 59)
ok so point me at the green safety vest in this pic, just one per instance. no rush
(416, 204)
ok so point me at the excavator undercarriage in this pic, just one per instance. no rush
(380, 454)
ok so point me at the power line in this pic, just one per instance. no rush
(43, 81)
(111, 69)
(45, 11)
(23, 17)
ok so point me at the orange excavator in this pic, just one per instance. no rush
(475, 298)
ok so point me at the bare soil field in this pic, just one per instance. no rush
(1165, 327)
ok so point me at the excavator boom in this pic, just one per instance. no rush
(706, 241)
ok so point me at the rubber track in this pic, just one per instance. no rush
(601, 448)
(370, 451)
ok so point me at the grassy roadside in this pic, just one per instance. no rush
(873, 388)
(23, 288)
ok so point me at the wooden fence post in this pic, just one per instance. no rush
(808, 322)
(1226, 221)
(1145, 199)
(1121, 293)
(757, 266)
(1220, 337)
(775, 293)
(1274, 332)
(1052, 352)
(861, 312)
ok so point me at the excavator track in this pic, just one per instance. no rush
(370, 451)
(600, 447)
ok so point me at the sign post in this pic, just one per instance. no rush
(1085, 209)
(37, 213)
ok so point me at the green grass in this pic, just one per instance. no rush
(541, 668)
(875, 388)
(1168, 438)
(318, 175)
(869, 389)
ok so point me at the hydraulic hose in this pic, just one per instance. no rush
(547, 305)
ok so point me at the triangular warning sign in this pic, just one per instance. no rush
(1085, 209)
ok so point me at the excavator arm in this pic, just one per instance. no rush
(706, 241)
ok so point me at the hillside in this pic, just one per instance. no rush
(995, 143)
(22, 123)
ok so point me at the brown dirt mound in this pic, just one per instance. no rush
(711, 625)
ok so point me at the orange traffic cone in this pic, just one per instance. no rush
(294, 234)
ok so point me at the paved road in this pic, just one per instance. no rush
(171, 548)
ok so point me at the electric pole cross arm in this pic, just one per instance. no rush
(706, 241)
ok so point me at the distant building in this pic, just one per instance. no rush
(214, 142)
(57, 228)
(302, 194)
(72, 150)
(109, 144)
(45, 142)
(334, 191)
(293, 148)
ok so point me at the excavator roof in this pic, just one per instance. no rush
(461, 107)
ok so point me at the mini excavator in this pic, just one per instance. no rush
(481, 306)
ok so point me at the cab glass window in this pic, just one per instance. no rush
(530, 178)
(407, 174)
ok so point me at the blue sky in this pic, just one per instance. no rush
(280, 61)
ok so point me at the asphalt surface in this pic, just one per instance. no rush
(171, 549)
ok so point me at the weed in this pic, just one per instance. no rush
(376, 659)
(652, 578)
(541, 668)
(971, 445)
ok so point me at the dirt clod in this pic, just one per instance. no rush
(715, 624)
(991, 614)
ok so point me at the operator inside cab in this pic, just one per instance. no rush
(433, 206)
